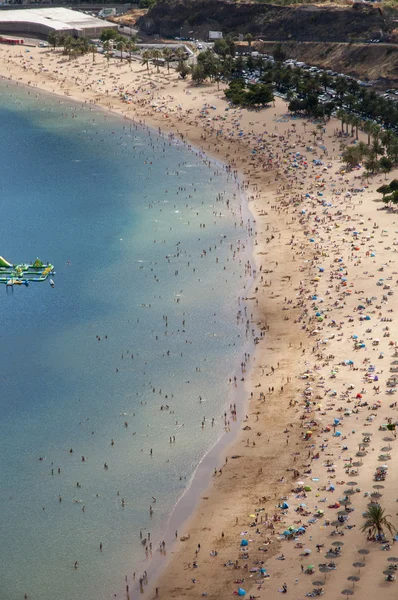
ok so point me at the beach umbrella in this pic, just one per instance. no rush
(358, 565)
(244, 543)
(352, 483)
(307, 551)
(392, 559)
(363, 551)
(241, 592)
(317, 583)
(324, 569)
(378, 486)
(347, 593)
(353, 578)
(338, 544)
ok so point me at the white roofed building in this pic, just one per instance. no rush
(39, 22)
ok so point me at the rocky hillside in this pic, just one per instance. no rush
(271, 22)
(369, 62)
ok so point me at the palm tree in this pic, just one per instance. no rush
(106, 46)
(341, 114)
(167, 55)
(130, 46)
(371, 163)
(377, 148)
(392, 150)
(320, 129)
(376, 520)
(376, 131)
(93, 49)
(368, 129)
(146, 57)
(351, 156)
(355, 122)
(121, 45)
(314, 132)
(180, 55)
(69, 44)
(156, 56)
(363, 149)
(348, 121)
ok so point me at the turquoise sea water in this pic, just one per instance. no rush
(126, 208)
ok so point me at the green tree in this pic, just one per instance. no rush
(342, 115)
(371, 163)
(384, 189)
(183, 70)
(107, 50)
(249, 39)
(314, 132)
(351, 156)
(221, 48)
(121, 46)
(368, 129)
(53, 39)
(279, 54)
(145, 58)
(198, 74)
(376, 521)
(167, 54)
(180, 55)
(108, 34)
(130, 47)
(156, 56)
(93, 50)
(385, 165)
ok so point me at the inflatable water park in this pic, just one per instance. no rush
(24, 274)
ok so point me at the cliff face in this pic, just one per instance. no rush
(300, 23)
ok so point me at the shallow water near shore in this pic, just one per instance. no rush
(127, 209)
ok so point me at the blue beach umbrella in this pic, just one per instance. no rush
(244, 543)
(241, 592)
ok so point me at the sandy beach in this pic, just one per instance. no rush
(314, 448)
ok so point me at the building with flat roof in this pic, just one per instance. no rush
(39, 22)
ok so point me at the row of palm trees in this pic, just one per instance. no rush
(381, 151)
(74, 47)
(168, 55)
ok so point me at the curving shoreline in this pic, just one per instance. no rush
(288, 349)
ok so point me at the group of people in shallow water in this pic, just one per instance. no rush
(236, 251)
